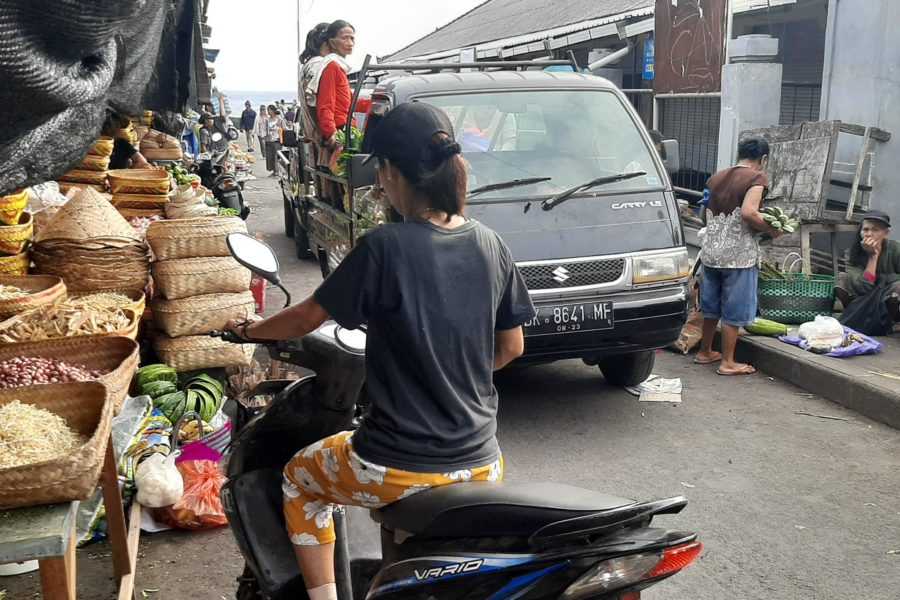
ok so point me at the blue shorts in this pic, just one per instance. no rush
(729, 295)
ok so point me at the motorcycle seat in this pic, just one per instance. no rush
(478, 509)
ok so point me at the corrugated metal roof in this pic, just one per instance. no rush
(501, 19)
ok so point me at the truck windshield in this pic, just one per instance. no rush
(572, 136)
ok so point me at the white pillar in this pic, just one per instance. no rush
(751, 92)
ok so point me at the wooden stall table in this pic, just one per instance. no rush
(47, 534)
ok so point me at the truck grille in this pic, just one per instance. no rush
(567, 275)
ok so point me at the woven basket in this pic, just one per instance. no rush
(103, 147)
(147, 213)
(187, 277)
(796, 299)
(192, 238)
(14, 238)
(87, 216)
(117, 357)
(162, 154)
(65, 186)
(85, 176)
(44, 289)
(145, 201)
(202, 352)
(15, 265)
(137, 300)
(139, 181)
(92, 162)
(202, 314)
(73, 476)
(12, 207)
(130, 331)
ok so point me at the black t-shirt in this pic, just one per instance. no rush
(121, 154)
(432, 299)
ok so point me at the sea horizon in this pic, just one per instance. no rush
(236, 98)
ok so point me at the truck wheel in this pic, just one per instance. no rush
(627, 369)
(288, 216)
(301, 241)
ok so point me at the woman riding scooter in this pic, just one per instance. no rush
(444, 304)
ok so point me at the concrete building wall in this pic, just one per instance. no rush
(862, 85)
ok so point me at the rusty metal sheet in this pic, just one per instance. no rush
(690, 46)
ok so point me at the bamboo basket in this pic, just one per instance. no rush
(198, 315)
(130, 331)
(146, 201)
(43, 289)
(73, 476)
(12, 207)
(196, 352)
(139, 181)
(14, 238)
(116, 356)
(15, 265)
(92, 162)
(192, 238)
(97, 178)
(137, 300)
(65, 186)
(187, 277)
(102, 147)
(146, 213)
(162, 154)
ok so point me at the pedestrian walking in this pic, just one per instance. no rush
(248, 122)
(274, 126)
(730, 253)
(261, 127)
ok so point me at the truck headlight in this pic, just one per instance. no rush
(662, 267)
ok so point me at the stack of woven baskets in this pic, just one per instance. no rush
(92, 170)
(200, 287)
(92, 248)
(140, 192)
(16, 231)
(159, 146)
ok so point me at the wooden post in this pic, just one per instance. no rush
(860, 164)
(115, 513)
(58, 574)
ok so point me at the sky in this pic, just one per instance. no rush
(258, 38)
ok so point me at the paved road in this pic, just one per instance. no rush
(789, 506)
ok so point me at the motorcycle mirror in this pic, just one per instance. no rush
(258, 257)
(217, 137)
(233, 134)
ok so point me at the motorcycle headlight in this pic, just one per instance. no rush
(662, 267)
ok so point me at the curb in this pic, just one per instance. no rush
(843, 384)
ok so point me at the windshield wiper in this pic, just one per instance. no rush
(551, 203)
(508, 184)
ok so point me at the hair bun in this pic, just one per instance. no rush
(445, 148)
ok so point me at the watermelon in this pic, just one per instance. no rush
(155, 389)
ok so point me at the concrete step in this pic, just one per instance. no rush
(870, 385)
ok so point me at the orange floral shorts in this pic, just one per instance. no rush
(329, 472)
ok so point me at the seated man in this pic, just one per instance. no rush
(875, 259)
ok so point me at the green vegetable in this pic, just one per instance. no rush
(156, 372)
(155, 389)
(766, 327)
(205, 394)
(228, 212)
(173, 405)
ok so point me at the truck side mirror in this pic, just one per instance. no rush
(361, 175)
(670, 155)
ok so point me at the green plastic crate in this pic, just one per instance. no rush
(796, 299)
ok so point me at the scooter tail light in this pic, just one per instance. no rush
(676, 558)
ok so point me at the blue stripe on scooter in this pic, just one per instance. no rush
(517, 584)
(491, 565)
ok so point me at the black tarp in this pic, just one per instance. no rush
(64, 62)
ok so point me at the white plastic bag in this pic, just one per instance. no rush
(158, 481)
(823, 332)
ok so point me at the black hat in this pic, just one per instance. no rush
(405, 137)
(877, 215)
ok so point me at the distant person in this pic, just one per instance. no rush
(274, 125)
(874, 265)
(248, 123)
(730, 253)
(333, 98)
(124, 154)
(291, 115)
(207, 128)
(261, 127)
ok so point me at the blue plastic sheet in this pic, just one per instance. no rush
(861, 344)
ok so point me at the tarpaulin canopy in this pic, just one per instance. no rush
(64, 62)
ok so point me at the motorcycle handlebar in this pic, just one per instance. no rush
(230, 336)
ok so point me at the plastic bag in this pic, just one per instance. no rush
(824, 332)
(159, 482)
(199, 506)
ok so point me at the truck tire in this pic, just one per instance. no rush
(627, 369)
(301, 241)
(288, 216)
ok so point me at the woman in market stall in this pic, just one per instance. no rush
(425, 366)
(124, 154)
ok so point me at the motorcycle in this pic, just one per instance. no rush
(516, 540)
(214, 176)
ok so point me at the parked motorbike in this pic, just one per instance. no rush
(214, 176)
(521, 540)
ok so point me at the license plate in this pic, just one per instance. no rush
(571, 318)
